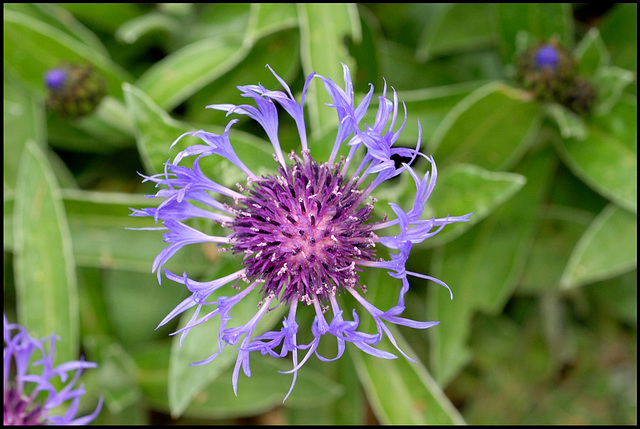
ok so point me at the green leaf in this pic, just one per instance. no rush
(64, 176)
(606, 159)
(482, 267)
(24, 120)
(457, 28)
(106, 16)
(465, 188)
(610, 83)
(609, 247)
(176, 77)
(323, 28)
(117, 372)
(430, 106)
(8, 224)
(491, 127)
(399, 391)
(31, 47)
(268, 18)
(106, 131)
(558, 230)
(222, 21)
(134, 29)
(570, 124)
(94, 315)
(406, 394)
(594, 62)
(44, 265)
(350, 408)
(619, 295)
(591, 53)
(619, 30)
(123, 291)
(541, 20)
(281, 51)
(152, 360)
(60, 18)
(155, 129)
(398, 65)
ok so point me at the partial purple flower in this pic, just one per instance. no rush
(304, 234)
(30, 397)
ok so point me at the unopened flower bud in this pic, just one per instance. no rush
(74, 90)
(549, 71)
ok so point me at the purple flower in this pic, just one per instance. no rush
(547, 56)
(302, 235)
(29, 395)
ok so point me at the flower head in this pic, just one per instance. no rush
(303, 234)
(30, 398)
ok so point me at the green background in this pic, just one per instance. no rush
(543, 325)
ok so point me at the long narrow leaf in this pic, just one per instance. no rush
(44, 263)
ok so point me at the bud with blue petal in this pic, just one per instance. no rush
(74, 90)
(550, 72)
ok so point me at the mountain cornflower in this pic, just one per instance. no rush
(29, 395)
(303, 234)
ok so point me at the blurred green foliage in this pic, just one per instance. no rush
(543, 325)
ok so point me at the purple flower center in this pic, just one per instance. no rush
(547, 56)
(302, 231)
(55, 78)
(20, 410)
